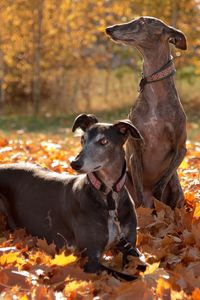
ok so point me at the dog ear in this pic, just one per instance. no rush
(84, 121)
(177, 38)
(126, 127)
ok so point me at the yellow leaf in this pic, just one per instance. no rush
(11, 258)
(197, 211)
(75, 286)
(24, 297)
(162, 286)
(62, 259)
(184, 165)
(152, 268)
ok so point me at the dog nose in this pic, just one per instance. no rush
(108, 30)
(76, 165)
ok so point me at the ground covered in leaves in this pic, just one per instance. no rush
(169, 240)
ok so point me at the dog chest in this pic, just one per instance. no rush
(113, 229)
(112, 232)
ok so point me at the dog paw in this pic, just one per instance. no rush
(92, 267)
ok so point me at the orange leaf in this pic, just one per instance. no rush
(196, 294)
(163, 288)
(197, 211)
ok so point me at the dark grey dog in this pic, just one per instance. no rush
(91, 211)
(158, 113)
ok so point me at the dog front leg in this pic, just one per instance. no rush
(173, 194)
(92, 265)
(90, 239)
(134, 182)
(162, 183)
(128, 224)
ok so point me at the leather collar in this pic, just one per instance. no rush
(100, 186)
(165, 71)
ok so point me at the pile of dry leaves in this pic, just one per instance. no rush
(169, 240)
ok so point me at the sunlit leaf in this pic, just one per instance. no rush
(62, 259)
(169, 240)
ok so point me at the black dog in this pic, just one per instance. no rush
(90, 211)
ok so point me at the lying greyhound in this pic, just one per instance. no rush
(158, 113)
(89, 211)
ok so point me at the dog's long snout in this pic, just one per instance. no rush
(109, 30)
(76, 164)
(113, 31)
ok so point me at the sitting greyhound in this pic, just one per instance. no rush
(158, 113)
(90, 211)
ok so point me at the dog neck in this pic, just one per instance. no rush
(154, 59)
(163, 90)
(100, 180)
(164, 72)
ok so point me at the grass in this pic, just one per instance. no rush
(53, 123)
(122, 91)
(58, 124)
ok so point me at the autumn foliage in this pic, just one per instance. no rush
(55, 56)
(169, 240)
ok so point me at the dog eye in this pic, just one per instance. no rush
(103, 141)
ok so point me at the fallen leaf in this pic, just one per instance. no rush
(62, 259)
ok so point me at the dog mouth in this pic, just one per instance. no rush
(85, 170)
(128, 40)
(112, 37)
(97, 168)
(120, 40)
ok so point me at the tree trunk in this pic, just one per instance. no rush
(73, 97)
(174, 13)
(37, 36)
(107, 84)
(85, 89)
(2, 90)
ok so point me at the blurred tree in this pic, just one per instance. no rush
(2, 65)
(38, 11)
(51, 51)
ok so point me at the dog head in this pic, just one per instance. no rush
(102, 143)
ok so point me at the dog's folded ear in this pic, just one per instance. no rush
(84, 121)
(177, 38)
(126, 127)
